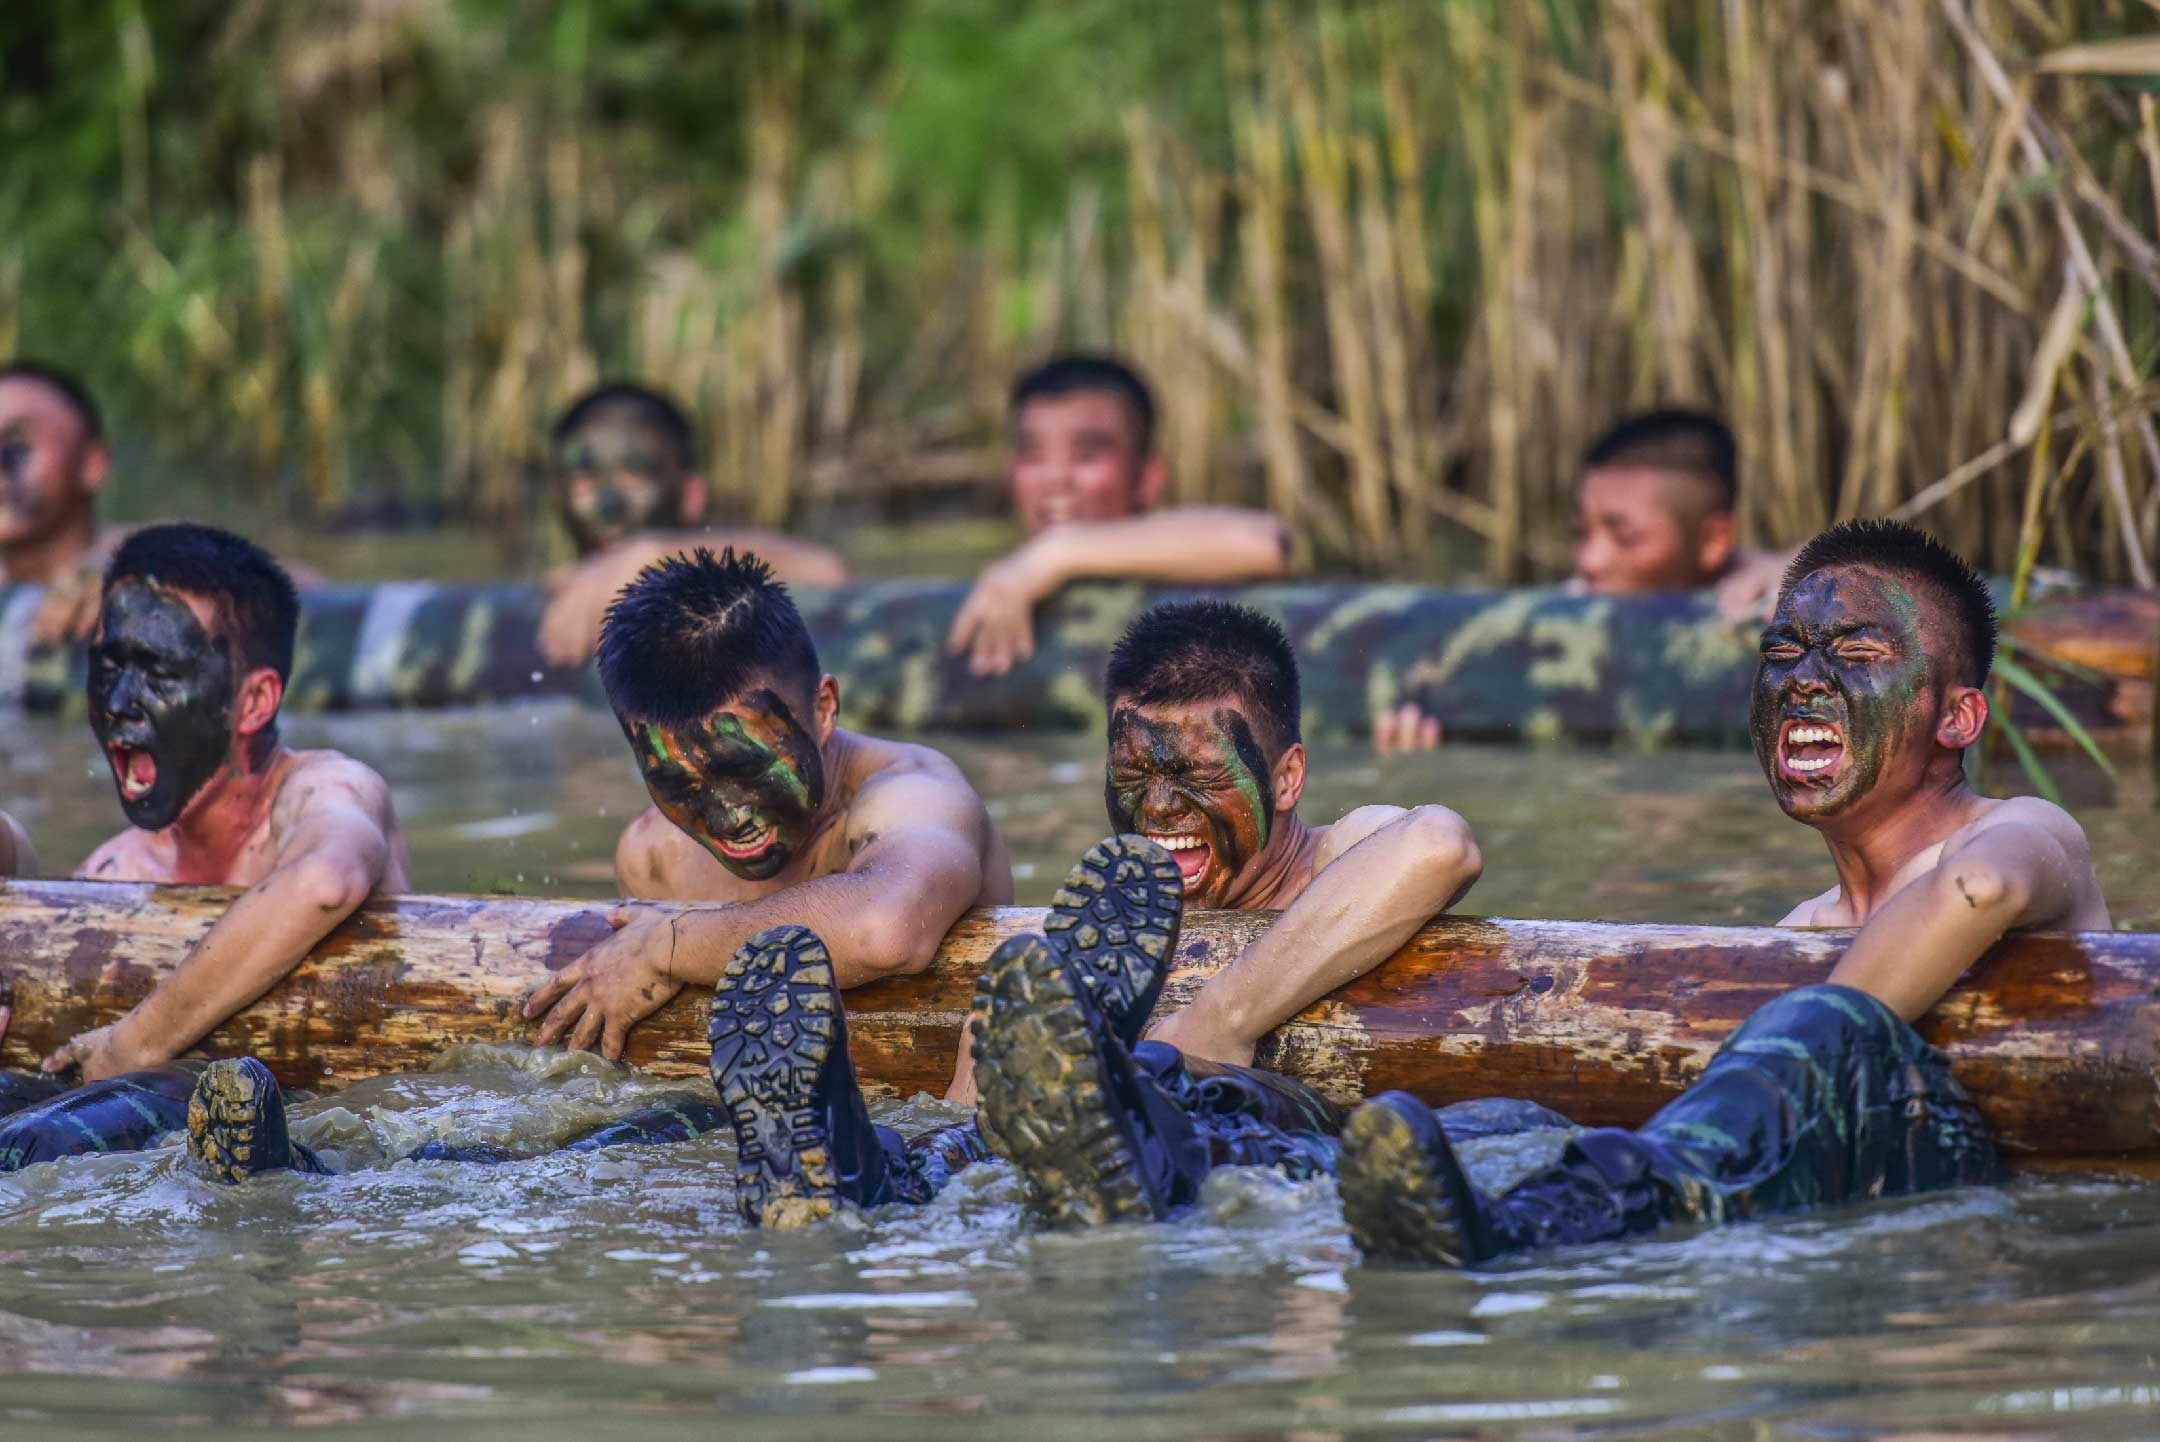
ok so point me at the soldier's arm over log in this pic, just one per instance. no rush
(1185, 545)
(331, 827)
(1381, 873)
(919, 840)
(580, 593)
(2024, 863)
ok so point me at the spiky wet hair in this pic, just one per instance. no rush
(693, 632)
(1896, 549)
(1182, 652)
(257, 610)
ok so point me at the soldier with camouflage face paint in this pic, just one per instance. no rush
(1086, 481)
(187, 671)
(623, 470)
(1206, 763)
(1869, 691)
(761, 799)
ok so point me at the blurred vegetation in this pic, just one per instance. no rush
(1390, 261)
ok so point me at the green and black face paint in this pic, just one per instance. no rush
(161, 699)
(745, 782)
(1842, 690)
(1199, 785)
(613, 478)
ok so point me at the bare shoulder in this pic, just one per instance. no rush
(655, 860)
(320, 777)
(2031, 811)
(905, 784)
(1353, 827)
(893, 771)
(1819, 910)
(130, 856)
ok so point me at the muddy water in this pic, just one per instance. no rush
(614, 1294)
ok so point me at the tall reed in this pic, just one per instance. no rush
(1391, 263)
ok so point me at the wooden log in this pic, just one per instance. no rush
(2057, 1036)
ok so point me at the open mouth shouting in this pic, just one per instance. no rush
(134, 769)
(1192, 854)
(746, 844)
(1810, 751)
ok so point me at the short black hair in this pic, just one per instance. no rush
(67, 383)
(1911, 553)
(1082, 371)
(650, 407)
(1181, 652)
(692, 632)
(256, 605)
(1673, 438)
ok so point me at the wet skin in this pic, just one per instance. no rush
(613, 480)
(1845, 652)
(744, 782)
(161, 697)
(1191, 776)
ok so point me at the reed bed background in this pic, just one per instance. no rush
(1390, 262)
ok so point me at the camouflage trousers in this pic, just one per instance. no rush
(1823, 1096)
(120, 1114)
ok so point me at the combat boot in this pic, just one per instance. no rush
(236, 1124)
(1093, 1138)
(804, 1141)
(1406, 1197)
(1116, 922)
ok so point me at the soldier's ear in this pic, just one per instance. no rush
(1714, 543)
(1964, 718)
(694, 497)
(1289, 777)
(1154, 479)
(826, 708)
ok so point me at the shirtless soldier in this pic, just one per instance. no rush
(759, 798)
(187, 671)
(623, 470)
(1869, 691)
(1205, 772)
(1087, 483)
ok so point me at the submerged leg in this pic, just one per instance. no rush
(1823, 1096)
(120, 1114)
(236, 1124)
(22, 1089)
(671, 1122)
(803, 1135)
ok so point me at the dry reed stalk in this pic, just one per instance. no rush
(1265, 203)
(1325, 185)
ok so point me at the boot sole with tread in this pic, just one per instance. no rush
(235, 1118)
(1046, 1105)
(1403, 1203)
(1117, 918)
(773, 1025)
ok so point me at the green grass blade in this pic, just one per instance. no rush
(2028, 758)
(2024, 681)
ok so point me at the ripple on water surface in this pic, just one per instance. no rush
(552, 1297)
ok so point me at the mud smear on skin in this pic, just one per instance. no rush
(1872, 702)
(636, 482)
(1187, 778)
(745, 782)
(161, 694)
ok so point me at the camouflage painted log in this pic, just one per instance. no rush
(1492, 665)
(2058, 1036)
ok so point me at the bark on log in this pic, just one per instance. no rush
(2057, 1036)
